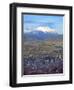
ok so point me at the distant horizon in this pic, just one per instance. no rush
(51, 23)
(34, 32)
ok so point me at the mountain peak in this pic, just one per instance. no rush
(45, 29)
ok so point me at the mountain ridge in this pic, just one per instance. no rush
(39, 35)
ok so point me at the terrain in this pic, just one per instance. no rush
(42, 53)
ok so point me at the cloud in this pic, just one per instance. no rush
(45, 29)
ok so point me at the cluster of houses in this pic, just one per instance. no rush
(43, 64)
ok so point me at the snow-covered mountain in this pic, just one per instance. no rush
(41, 35)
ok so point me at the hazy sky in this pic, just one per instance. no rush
(50, 23)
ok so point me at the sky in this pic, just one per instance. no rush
(45, 23)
